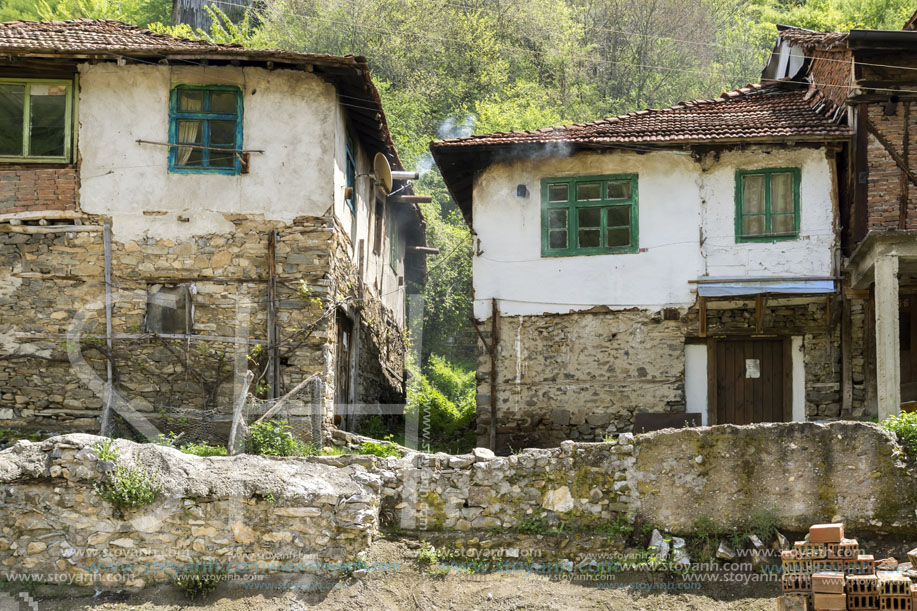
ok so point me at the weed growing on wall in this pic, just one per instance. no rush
(904, 425)
(203, 449)
(106, 450)
(128, 487)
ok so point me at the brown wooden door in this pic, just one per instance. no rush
(753, 379)
(342, 365)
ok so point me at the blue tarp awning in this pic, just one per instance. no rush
(758, 287)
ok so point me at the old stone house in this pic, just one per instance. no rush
(655, 264)
(174, 213)
(871, 76)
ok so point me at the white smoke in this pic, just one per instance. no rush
(451, 127)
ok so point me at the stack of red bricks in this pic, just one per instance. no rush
(827, 572)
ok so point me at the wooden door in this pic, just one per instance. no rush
(343, 350)
(753, 381)
(907, 343)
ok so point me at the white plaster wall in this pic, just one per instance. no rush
(678, 204)
(378, 275)
(289, 114)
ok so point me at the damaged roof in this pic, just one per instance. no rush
(108, 40)
(779, 111)
(811, 38)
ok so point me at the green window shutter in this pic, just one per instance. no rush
(589, 215)
(767, 204)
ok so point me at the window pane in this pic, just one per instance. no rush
(618, 216)
(781, 192)
(191, 101)
(221, 159)
(753, 194)
(48, 107)
(588, 191)
(190, 132)
(223, 102)
(12, 106)
(590, 238)
(783, 223)
(223, 133)
(557, 239)
(619, 236)
(753, 225)
(619, 189)
(558, 192)
(589, 217)
(557, 219)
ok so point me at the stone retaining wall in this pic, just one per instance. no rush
(330, 507)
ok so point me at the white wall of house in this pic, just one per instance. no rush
(686, 230)
(379, 276)
(289, 114)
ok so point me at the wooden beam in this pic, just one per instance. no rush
(759, 312)
(411, 199)
(901, 163)
(702, 317)
(902, 205)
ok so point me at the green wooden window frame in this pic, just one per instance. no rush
(769, 217)
(204, 116)
(588, 215)
(26, 153)
(393, 241)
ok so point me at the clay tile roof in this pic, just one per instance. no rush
(777, 110)
(108, 37)
(811, 38)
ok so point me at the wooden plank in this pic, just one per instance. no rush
(767, 380)
(712, 394)
(759, 312)
(787, 366)
(902, 204)
(702, 317)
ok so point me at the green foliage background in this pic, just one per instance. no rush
(452, 67)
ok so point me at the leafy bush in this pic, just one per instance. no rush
(203, 449)
(128, 487)
(275, 438)
(444, 402)
(904, 425)
(383, 449)
(201, 581)
(427, 555)
(106, 450)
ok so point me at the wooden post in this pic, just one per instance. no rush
(494, 339)
(110, 390)
(273, 362)
(759, 312)
(904, 187)
(702, 317)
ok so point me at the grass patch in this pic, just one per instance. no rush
(200, 582)
(904, 425)
(203, 449)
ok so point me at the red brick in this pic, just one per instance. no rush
(830, 602)
(828, 582)
(826, 533)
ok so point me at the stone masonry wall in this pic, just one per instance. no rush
(578, 376)
(250, 514)
(48, 281)
(52, 521)
(30, 188)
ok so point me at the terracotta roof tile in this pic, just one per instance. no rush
(756, 111)
(105, 36)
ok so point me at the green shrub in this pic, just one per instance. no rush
(201, 581)
(128, 487)
(275, 438)
(106, 450)
(444, 403)
(203, 449)
(904, 425)
(426, 556)
(383, 449)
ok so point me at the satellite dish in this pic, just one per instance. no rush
(383, 172)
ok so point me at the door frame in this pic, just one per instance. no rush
(788, 367)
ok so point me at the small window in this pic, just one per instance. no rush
(377, 238)
(206, 123)
(35, 120)
(168, 309)
(767, 204)
(393, 245)
(351, 177)
(589, 215)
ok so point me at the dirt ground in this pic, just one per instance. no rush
(406, 586)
